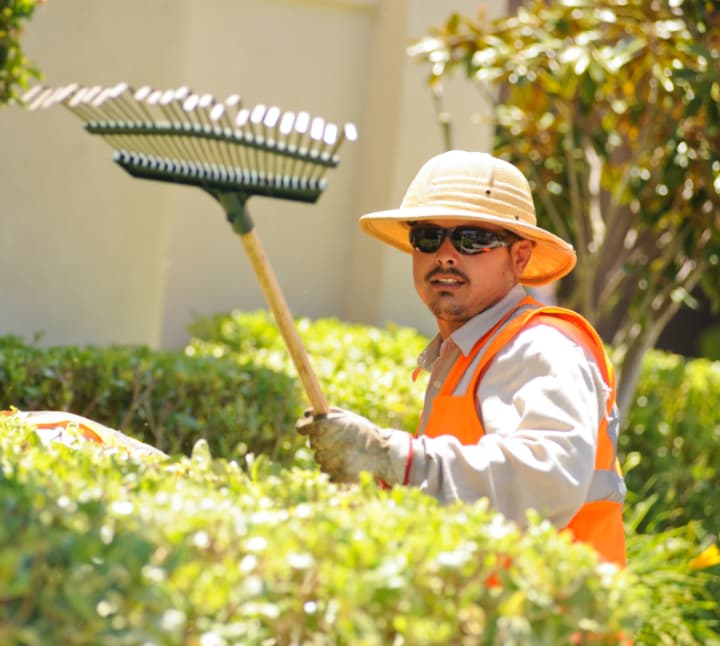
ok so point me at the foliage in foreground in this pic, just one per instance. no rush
(234, 385)
(201, 551)
(96, 547)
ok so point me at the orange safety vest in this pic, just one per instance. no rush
(599, 522)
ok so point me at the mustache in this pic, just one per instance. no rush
(449, 270)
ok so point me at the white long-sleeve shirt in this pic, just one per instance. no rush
(541, 401)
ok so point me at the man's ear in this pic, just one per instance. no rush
(520, 252)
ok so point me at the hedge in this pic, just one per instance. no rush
(234, 388)
(167, 399)
(671, 440)
(98, 547)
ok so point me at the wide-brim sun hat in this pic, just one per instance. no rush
(481, 189)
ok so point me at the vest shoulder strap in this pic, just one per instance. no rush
(567, 321)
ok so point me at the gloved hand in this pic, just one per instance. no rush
(346, 444)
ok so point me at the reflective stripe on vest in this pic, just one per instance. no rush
(599, 520)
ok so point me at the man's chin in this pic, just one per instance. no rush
(449, 312)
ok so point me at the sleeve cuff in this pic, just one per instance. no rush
(401, 456)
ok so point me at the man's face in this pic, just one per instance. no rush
(456, 287)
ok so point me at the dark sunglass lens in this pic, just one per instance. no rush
(473, 240)
(427, 239)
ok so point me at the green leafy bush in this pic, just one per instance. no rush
(235, 386)
(366, 369)
(167, 399)
(671, 440)
(97, 548)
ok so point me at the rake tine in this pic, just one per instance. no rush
(285, 128)
(130, 112)
(232, 105)
(80, 103)
(99, 104)
(329, 139)
(32, 94)
(165, 103)
(129, 105)
(316, 137)
(151, 102)
(166, 146)
(348, 133)
(189, 143)
(309, 152)
(125, 107)
(89, 97)
(188, 106)
(110, 114)
(139, 98)
(75, 105)
(270, 133)
(256, 117)
(60, 95)
(195, 114)
(40, 97)
(227, 120)
(206, 105)
(169, 108)
(218, 118)
(296, 147)
(241, 121)
(37, 100)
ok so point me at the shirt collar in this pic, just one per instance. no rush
(466, 336)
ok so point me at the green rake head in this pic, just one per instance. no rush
(187, 138)
(230, 151)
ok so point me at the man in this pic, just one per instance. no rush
(519, 407)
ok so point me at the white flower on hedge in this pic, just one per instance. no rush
(212, 639)
(500, 528)
(302, 561)
(253, 608)
(172, 619)
(253, 586)
(391, 570)
(256, 544)
(248, 563)
(303, 510)
(154, 574)
(122, 507)
(457, 557)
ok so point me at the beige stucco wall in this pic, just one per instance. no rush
(90, 255)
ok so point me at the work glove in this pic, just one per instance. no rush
(346, 444)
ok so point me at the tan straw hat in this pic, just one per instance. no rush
(479, 188)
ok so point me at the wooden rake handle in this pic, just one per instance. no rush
(281, 312)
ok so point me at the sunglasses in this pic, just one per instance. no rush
(466, 239)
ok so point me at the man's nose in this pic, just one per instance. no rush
(446, 254)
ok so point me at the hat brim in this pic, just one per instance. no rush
(552, 257)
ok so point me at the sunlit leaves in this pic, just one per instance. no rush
(15, 69)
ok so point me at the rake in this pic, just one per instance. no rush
(229, 151)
